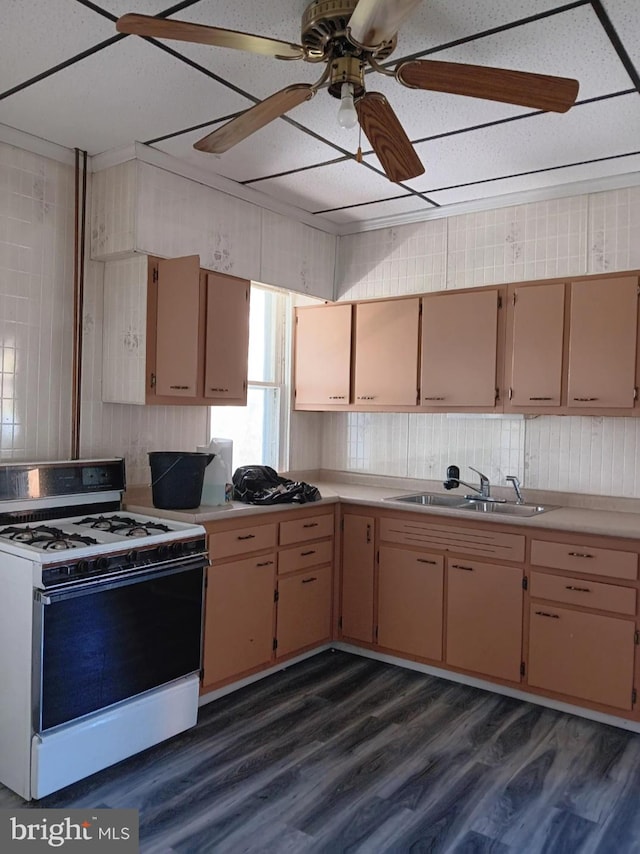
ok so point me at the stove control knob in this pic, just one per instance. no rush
(102, 563)
(177, 549)
(82, 566)
(132, 556)
(163, 551)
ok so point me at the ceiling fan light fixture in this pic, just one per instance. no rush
(347, 115)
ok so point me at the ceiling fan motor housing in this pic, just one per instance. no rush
(324, 31)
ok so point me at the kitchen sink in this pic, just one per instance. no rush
(457, 502)
(432, 499)
(506, 509)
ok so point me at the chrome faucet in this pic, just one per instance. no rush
(482, 494)
(516, 485)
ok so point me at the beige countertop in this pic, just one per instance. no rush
(608, 516)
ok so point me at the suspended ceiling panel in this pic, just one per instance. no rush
(67, 76)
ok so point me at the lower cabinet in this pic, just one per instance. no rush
(484, 618)
(583, 655)
(304, 610)
(358, 552)
(410, 598)
(240, 612)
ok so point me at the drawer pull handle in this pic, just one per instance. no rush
(366, 397)
(309, 580)
(246, 536)
(310, 525)
(585, 399)
(579, 554)
(337, 396)
(433, 398)
(181, 387)
(424, 560)
(547, 614)
(459, 566)
(265, 563)
(368, 533)
(577, 589)
(219, 389)
(306, 554)
(540, 398)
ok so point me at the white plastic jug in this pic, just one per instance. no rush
(217, 477)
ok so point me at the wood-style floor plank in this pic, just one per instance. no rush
(345, 754)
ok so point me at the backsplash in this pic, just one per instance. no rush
(572, 237)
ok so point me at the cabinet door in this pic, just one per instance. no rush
(227, 339)
(323, 355)
(410, 586)
(386, 353)
(304, 609)
(581, 655)
(535, 340)
(357, 578)
(484, 618)
(602, 343)
(177, 294)
(459, 349)
(239, 618)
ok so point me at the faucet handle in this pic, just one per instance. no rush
(483, 477)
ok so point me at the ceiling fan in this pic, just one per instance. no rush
(349, 36)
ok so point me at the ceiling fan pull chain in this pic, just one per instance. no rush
(359, 151)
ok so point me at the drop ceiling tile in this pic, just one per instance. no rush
(625, 18)
(272, 150)
(326, 187)
(128, 93)
(38, 34)
(540, 142)
(377, 210)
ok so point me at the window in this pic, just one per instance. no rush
(259, 429)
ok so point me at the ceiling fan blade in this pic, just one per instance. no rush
(254, 118)
(387, 138)
(494, 84)
(376, 21)
(167, 28)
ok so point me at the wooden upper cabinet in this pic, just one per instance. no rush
(227, 338)
(602, 343)
(177, 313)
(197, 334)
(460, 349)
(323, 355)
(386, 353)
(535, 334)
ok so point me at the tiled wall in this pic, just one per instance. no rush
(573, 236)
(36, 305)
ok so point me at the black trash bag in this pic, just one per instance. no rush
(263, 485)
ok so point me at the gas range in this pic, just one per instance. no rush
(65, 519)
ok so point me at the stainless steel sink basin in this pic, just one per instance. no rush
(431, 499)
(506, 509)
(458, 502)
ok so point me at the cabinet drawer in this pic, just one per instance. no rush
(241, 541)
(301, 557)
(586, 593)
(309, 528)
(578, 558)
(485, 542)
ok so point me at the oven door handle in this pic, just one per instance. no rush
(71, 591)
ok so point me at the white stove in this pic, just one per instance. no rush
(100, 624)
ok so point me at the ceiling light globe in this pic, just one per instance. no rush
(347, 114)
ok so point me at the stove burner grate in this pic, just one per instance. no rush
(124, 525)
(46, 538)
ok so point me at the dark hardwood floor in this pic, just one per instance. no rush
(345, 754)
